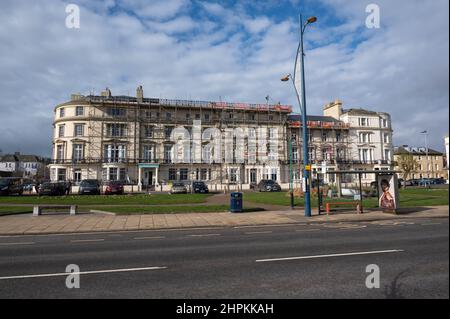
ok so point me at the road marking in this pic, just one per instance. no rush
(307, 230)
(332, 255)
(430, 224)
(263, 226)
(83, 273)
(203, 235)
(12, 244)
(86, 240)
(154, 237)
(258, 232)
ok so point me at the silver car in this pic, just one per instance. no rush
(178, 188)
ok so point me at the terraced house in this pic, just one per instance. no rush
(150, 143)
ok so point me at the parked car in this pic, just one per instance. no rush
(10, 186)
(267, 185)
(89, 186)
(178, 188)
(440, 181)
(200, 187)
(114, 187)
(52, 189)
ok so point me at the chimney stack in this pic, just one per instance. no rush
(140, 94)
(106, 93)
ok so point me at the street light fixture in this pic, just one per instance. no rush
(302, 104)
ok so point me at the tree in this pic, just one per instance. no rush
(407, 165)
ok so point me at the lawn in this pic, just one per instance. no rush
(412, 197)
(15, 210)
(154, 199)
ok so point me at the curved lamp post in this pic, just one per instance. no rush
(302, 104)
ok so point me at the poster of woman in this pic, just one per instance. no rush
(388, 190)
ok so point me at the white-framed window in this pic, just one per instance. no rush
(384, 122)
(204, 174)
(184, 174)
(387, 155)
(148, 153)
(168, 153)
(364, 137)
(233, 175)
(114, 153)
(79, 130)
(62, 174)
(61, 130)
(77, 152)
(116, 130)
(172, 174)
(59, 152)
(62, 112)
(149, 131)
(79, 111)
(77, 175)
(363, 121)
(386, 138)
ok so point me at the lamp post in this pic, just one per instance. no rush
(302, 105)
(425, 133)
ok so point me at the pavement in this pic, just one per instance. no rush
(299, 260)
(26, 224)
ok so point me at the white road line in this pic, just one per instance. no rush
(430, 224)
(258, 232)
(331, 255)
(13, 244)
(83, 273)
(86, 240)
(203, 235)
(154, 237)
(263, 226)
(307, 230)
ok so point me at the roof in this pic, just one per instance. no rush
(28, 158)
(8, 158)
(359, 112)
(123, 100)
(416, 151)
(313, 118)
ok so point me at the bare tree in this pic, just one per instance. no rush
(407, 165)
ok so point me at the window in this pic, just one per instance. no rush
(61, 174)
(197, 116)
(77, 152)
(384, 123)
(273, 174)
(294, 154)
(148, 153)
(252, 117)
(168, 116)
(387, 155)
(204, 174)
(324, 136)
(114, 153)
(79, 130)
(148, 131)
(206, 154)
(168, 132)
(116, 112)
(172, 174)
(206, 117)
(168, 153)
(363, 121)
(116, 130)
(231, 116)
(61, 130)
(365, 137)
(272, 133)
(183, 174)
(436, 167)
(386, 138)
(62, 112)
(233, 175)
(79, 111)
(59, 152)
(364, 155)
(112, 174)
(77, 175)
(338, 137)
(148, 114)
(270, 117)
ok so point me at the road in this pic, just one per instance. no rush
(296, 261)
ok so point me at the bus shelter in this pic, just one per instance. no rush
(386, 188)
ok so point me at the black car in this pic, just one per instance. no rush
(200, 187)
(52, 189)
(267, 185)
(11, 186)
(89, 186)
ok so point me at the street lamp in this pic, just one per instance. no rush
(302, 105)
(425, 133)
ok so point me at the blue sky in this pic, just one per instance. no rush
(228, 50)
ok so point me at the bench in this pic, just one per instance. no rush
(37, 209)
(357, 205)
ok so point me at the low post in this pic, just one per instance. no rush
(36, 211)
(73, 210)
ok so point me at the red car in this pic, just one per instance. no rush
(114, 188)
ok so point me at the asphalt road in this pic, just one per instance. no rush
(296, 261)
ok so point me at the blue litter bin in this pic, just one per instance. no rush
(236, 202)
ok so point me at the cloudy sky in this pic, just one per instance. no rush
(224, 50)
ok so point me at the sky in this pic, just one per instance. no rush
(234, 51)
